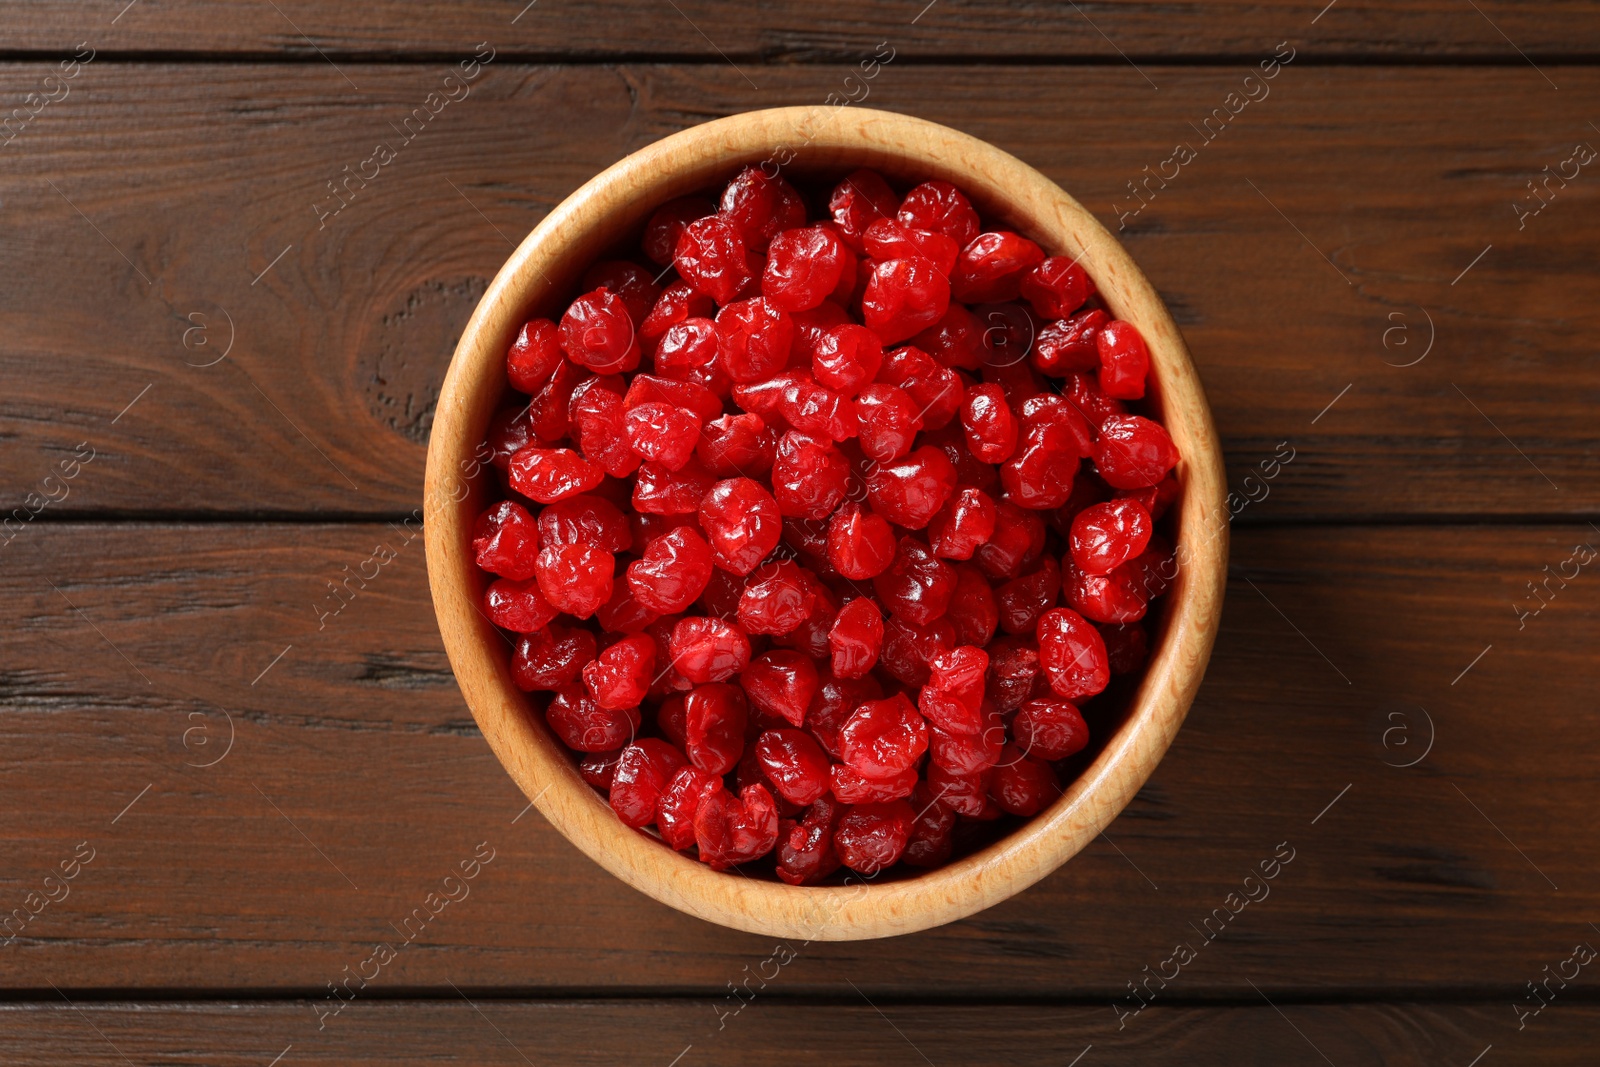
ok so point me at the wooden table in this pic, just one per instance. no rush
(251, 795)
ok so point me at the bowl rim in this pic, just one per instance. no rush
(576, 232)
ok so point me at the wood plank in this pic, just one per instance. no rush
(383, 1032)
(138, 276)
(1097, 31)
(357, 782)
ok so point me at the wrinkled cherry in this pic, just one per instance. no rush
(1049, 729)
(1124, 360)
(871, 837)
(856, 638)
(505, 541)
(1107, 535)
(861, 544)
(575, 578)
(714, 717)
(795, 765)
(597, 332)
(743, 523)
(1056, 288)
(551, 658)
(781, 683)
(708, 650)
(1072, 654)
(884, 737)
(583, 725)
(620, 676)
(642, 774)
(732, 831)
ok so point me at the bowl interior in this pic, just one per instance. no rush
(809, 146)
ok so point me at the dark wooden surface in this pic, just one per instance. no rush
(169, 601)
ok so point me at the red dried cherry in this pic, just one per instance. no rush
(708, 650)
(991, 267)
(630, 282)
(892, 239)
(714, 718)
(662, 433)
(991, 428)
(534, 355)
(667, 224)
(884, 737)
(795, 765)
(575, 578)
(918, 585)
(642, 774)
(956, 340)
(889, 421)
(871, 837)
(737, 445)
(551, 658)
(855, 638)
(861, 545)
(743, 523)
(1022, 785)
(1112, 598)
(505, 541)
(753, 339)
(730, 832)
(850, 786)
(805, 848)
(781, 683)
(942, 208)
(1072, 654)
(660, 491)
(907, 646)
(673, 571)
(517, 606)
(1124, 360)
(929, 844)
(597, 332)
(761, 206)
(1023, 600)
(1049, 729)
(862, 198)
(1107, 535)
(910, 491)
(585, 519)
(1069, 344)
(847, 358)
(583, 725)
(551, 474)
(1056, 288)
(973, 613)
(679, 801)
(1133, 452)
(803, 267)
(904, 297)
(777, 600)
(711, 255)
(968, 754)
(966, 521)
(965, 794)
(809, 476)
(620, 676)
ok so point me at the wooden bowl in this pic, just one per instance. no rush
(540, 276)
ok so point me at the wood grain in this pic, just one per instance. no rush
(472, 1029)
(1402, 177)
(790, 29)
(355, 759)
